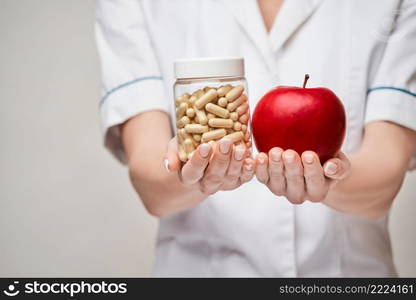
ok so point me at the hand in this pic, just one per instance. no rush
(223, 167)
(300, 178)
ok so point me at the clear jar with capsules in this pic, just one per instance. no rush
(211, 102)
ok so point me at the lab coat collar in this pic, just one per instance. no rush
(247, 14)
(291, 16)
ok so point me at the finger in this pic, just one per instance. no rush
(247, 172)
(295, 186)
(315, 181)
(262, 173)
(218, 166)
(277, 181)
(337, 168)
(194, 168)
(171, 160)
(234, 169)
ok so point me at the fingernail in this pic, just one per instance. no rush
(308, 158)
(225, 145)
(248, 167)
(289, 157)
(261, 159)
(239, 153)
(276, 156)
(166, 164)
(331, 168)
(204, 150)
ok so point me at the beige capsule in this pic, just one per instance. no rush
(182, 122)
(190, 113)
(244, 128)
(209, 96)
(183, 135)
(222, 102)
(181, 110)
(235, 136)
(213, 135)
(234, 116)
(197, 137)
(217, 110)
(220, 123)
(244, 118)
(196, 128)
(237, 126)
(242, 108)
(201, 116)
(223, 90)
(180, 139)
(182, 99)
(198, 93)
(188, 144)
(234, 93)
(210, 116)
(233, 105)
(192, 99)
(182, 154)
(207, 88)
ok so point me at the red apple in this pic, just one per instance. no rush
(300, 119)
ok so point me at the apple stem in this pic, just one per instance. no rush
(305, 80)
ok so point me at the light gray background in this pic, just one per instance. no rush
(66, 206)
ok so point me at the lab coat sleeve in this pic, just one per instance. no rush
(392, 94)
(131, 78)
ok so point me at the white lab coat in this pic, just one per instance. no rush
(365, 51)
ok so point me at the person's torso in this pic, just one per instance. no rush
(249, 231)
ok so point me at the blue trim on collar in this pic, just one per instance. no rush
(123, 85)
(391, 88)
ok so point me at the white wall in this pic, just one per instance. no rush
(66, 206)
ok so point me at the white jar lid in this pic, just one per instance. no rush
(209, 67)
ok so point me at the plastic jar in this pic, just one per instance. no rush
(211, 103)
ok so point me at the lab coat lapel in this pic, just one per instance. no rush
(291, 16)
(248, 15)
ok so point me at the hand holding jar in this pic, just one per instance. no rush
(212, 146)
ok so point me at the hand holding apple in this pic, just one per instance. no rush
(300, 178)
(301, 130)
